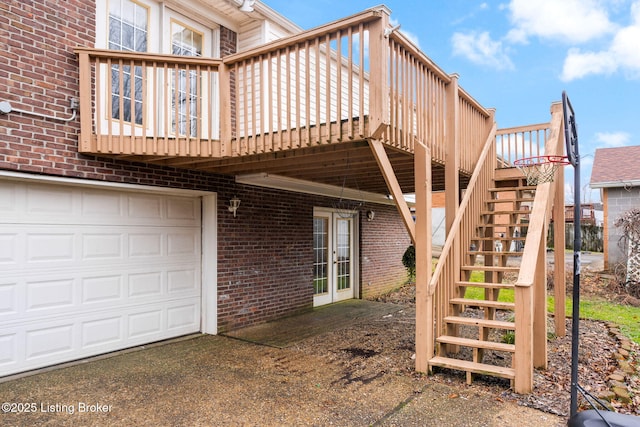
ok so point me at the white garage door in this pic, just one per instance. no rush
(86, 271)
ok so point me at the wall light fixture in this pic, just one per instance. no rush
(234, 203)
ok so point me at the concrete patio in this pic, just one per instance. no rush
(221, 380)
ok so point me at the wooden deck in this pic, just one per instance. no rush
(341, 84)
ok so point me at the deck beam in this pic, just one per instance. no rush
(377, 148)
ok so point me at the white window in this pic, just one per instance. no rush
(128, 31)
(188, 95)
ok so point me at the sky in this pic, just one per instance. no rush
(518, 56)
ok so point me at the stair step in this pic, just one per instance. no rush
(476, 368)
(483, 303)
(499, 238)
(495, 253)
(504, 225)
(490, 268)
(521, 188)
(468, 342)
(487, 285)
(506, 212)
(517, 199)
(487, 323)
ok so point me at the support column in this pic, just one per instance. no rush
(540, 304)
(425, 338)
(452, 154)
(559, 270)
(226, 131)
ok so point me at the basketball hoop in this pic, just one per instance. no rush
(540, 169)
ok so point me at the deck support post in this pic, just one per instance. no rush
(226, 131)
(540, 303)
(452, 154)
(86, 117)
(523, 356)
(559, 243)
(425, 336)
(378, 71)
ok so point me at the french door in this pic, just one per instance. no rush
(334, 251)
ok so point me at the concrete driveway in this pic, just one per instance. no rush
(217, 380)
(593, 261)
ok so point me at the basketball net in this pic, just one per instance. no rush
(540, 169)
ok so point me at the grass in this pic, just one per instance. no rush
(627, 317)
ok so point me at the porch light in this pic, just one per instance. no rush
(370, 215)
(247, 5)
(234, 203)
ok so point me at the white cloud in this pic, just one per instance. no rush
(625, 48)
(622, 54)
(413, 38)
(479, 48)
(613, 139)
(571, 21)
(579, 64)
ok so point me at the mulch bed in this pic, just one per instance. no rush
(608, 361)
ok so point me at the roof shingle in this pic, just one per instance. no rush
(616, 164)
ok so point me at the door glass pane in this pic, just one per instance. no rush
(320, 255)
(184, 89)
(128, 30)
(343, 253)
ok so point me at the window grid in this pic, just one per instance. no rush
(321, 255)
(128, 31)
(343, 249)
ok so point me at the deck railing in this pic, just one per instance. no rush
(520, 142)
(352, 79)
(308, 89)
(148, 104)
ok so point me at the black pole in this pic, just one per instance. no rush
(571, 140)
(575, 318)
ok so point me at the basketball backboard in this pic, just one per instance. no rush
(570, 131)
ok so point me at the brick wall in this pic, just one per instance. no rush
(382, 244)
(264, 254)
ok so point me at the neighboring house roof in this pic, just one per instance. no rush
(616, 167)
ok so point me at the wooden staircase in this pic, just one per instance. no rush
(479, 333)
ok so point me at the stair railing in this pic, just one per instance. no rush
(530, 289)
(442, 286)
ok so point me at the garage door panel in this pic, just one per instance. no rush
(47, 295)
(49, 341)
(8, 249)
(94, 333)
(40, 297)
(22, 202)
(8, 349)
(8, 298)
(29, 248)
(87, 271)
(102, 332)
(101, 289)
